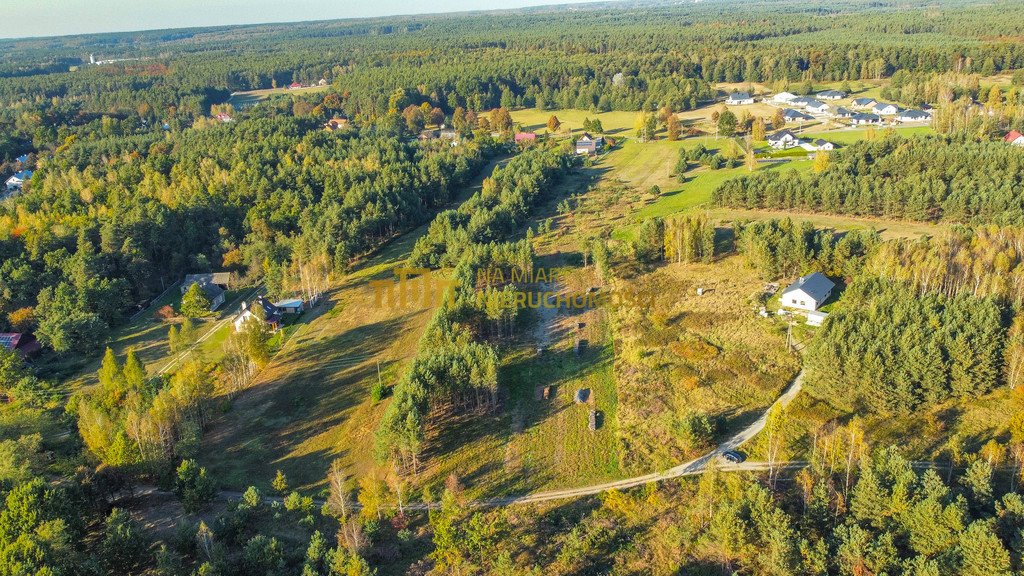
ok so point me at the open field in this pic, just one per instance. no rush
(251, 97)
(312, 403)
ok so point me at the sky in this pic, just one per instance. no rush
(64, 17)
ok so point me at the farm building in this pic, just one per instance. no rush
(808, 292)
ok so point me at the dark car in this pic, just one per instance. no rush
(733, 456)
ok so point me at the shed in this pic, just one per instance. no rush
(582, 395)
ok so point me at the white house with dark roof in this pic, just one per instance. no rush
(808, 293)
(864, 102)
(739, 99)
(885, 109)
(913, 116)
(817, 107)
(830, 95)
(861, 119)
(783, 140)
(795, 115)
(844, 112)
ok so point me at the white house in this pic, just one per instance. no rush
(831, 95)
(860, 119)
(844, 112)
(784, 97)
(885, 109)
(17, 181)
(818, 107)
(820, 144)
(271, 314)
(783, 140)
(807, 293)
(913, 116)
(739, 99)
(795, 115)
(1015, 138)
(864, 102)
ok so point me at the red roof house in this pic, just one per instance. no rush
(1015, 138)
(294, 85)
(24, 344)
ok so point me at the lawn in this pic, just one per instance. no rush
(249, 98)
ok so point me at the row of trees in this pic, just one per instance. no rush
(929, 179)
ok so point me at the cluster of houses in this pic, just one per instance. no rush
(784, 140)
(864, 110)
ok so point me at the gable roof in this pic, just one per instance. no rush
(739, 96)
(790, 114)
(843, 111)
(879, 106)
(9, 340)
(915, 114)
(864, 101)
(22, 159)
(816, 285)
(1012, 136)
(865, 116)
(821, 142)
(780, 135)
(831, 94)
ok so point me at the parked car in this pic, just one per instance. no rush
(733, 456)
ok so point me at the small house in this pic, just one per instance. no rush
(450, 135)
(221, 279)
(913, 116)
(222, 117)
(864, 102)
(818, 107)
(24, 344)
(271, 314)
(1015, 138)
(862, 119)
(739, 99)
(831, 95)
(825, 145)
(808, 292)
(589, 145)
(23, 159)
(844, 112)
(801, 101)
(795, 115)
(524, 137)
(335, 124)
(783, 140)
(884, 109)
(291, 306)
(17, 181)
(294, 86)
(784, 97)
(582, 395)
(426, 135)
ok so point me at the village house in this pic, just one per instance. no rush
(739, 99)
(783, 98)
(291, 306)
(271, 314)
(23, 159)
(864, 102)
(24, 344)
(817, 107)
(214, 285)
(589, 145)
(831, 95)
(821, 144)
(428, 135)
(808, 293)
(863, 119)
(844, 112)
(791, 115)
(16, 182)
(225, 117)
(449, 134)
(294, 86)
(885, 109)
(335, 124)
(913, 116)
(1015, 138)
(783, 140)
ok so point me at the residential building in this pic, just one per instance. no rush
(271, 314)
(739, 99)
(291, 306)
(24, 344)
(831, 95)
(808, 292)
(913, 116)
(1015, 138)
(783, 140)
(589, 145)
(864, 118)
(783, 98)
(795, 115)
(864, 102)
(17, 181)
(885, 109)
